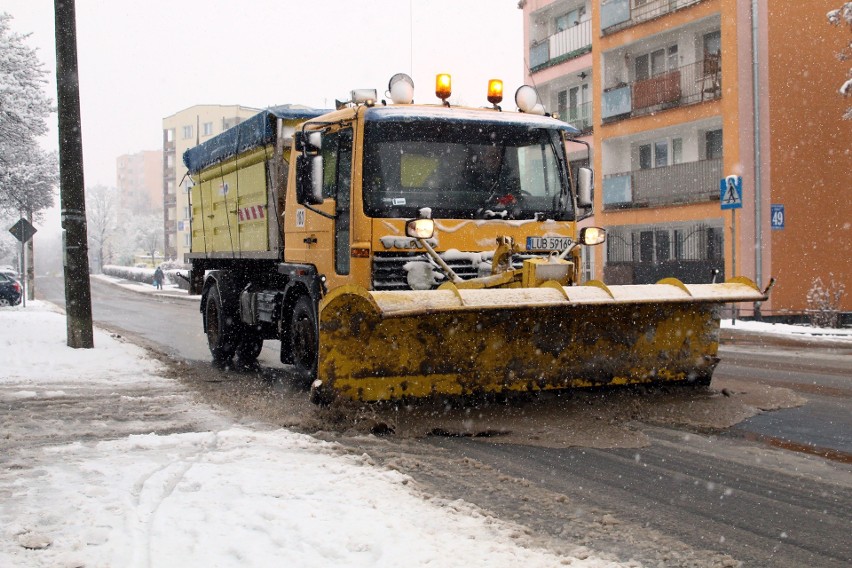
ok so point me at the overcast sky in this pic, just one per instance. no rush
(141, 61)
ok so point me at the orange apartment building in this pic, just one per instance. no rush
(664, 91)
(139, 179)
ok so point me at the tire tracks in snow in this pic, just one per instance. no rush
(151, 490)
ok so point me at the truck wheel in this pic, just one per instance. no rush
(304, 339)
(220, 334)
(249, 347)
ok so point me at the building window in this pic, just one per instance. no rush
(187, 132)
(571, 19)
(655, 63)
(170, 135)
(662, 246)
(712, 43)
(645, 157)
(713, 144)
(661, 153)
(207, 129)
(571, 105)
(186, 212)
(677, 150)
(187, 239)
(587, 255)
(562, 105)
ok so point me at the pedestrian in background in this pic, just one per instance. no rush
(158, 278)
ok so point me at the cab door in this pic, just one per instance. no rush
(319, 234)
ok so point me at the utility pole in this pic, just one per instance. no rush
(30, 276)
(78, 294)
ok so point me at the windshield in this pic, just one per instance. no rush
(464, 170)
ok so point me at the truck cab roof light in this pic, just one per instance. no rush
(526, 98)
(495, 92)
(443, 87)
(364, 97)
(401, 89)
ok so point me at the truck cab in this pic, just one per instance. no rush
(481, 174)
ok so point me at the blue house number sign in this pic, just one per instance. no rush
(776, 219)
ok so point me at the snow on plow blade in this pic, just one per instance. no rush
(412, 344)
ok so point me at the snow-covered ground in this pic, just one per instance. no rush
(104, 462)
(203, 491)
(804, 331)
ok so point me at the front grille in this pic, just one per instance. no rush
(389, 272)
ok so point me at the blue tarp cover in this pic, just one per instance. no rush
(254, 132)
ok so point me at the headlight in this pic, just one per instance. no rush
(592, 236)
(420, 228)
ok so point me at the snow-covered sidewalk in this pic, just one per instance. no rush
(103, 462)
(800, 331)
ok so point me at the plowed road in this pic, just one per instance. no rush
(773, 490)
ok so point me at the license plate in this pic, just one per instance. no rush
(548, 243)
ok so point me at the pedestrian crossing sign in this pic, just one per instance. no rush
(731, 192)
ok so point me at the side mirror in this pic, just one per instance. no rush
(309, 179)
(308, 142)
(585, 184)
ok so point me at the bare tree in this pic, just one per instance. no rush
(102, 220)
(149, 231)
(842, 17)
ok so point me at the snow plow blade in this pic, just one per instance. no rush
(455, 342)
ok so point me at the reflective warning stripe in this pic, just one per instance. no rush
(251, 213)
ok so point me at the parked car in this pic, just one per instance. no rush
(10, 272)
(10, 291)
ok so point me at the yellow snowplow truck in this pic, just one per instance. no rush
(402, 251)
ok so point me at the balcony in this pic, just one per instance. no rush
(561, 46)
(691, 182)
(617, 15)
(691, 84)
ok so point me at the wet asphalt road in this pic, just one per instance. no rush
(775, 490)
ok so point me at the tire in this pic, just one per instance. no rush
(220, 334)
(702, 381)
(249, 347)
(304, 339)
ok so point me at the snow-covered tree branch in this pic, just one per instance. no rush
(27, 174)
(842, 17)
(28, 180)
